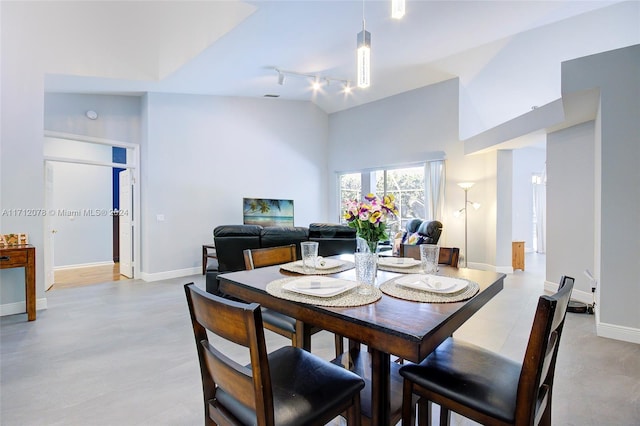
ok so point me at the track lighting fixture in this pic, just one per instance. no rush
(317, 80)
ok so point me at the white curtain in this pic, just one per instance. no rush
(434, 182)
(540, 212)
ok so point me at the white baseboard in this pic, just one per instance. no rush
(610, 331)
(170, 274)
(82, 265)
(21, 307)
(618, 332)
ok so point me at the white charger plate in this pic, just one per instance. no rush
(432, 283)
(398, 262)
(319, 286)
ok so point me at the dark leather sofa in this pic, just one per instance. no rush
(231, 240)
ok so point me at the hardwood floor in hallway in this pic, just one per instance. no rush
(88, 275)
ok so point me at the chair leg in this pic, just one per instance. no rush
(424, 412)
(445, 416)
(339, 345)
(353, 413)
(408, 410)
(302, 338)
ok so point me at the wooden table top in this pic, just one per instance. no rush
(407, 329)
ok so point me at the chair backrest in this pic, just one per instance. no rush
(448, 255)
(258, 258)
(221, 376)
(538, 368)
(564, 280)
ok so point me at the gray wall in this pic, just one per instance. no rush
(617, 199)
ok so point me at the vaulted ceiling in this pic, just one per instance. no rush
(506, 54)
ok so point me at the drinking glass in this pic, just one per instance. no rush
(429, 255)
(366, 268)
(309, 251)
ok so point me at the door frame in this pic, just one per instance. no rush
(133, 163)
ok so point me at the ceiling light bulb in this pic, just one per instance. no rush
(347, 88)
(397, 9)
(364, 58)
(316, 84)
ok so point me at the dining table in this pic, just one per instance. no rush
(391, 327)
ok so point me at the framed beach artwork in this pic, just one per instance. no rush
(267, 212)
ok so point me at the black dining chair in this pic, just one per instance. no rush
(485, 386)
(284, 325)
(287, 387)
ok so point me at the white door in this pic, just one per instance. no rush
(126, 224)
(48, 226)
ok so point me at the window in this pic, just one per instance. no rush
(405, 184)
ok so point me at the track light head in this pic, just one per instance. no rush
(280, 78)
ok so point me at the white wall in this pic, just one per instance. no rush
(119, 117)
(526, 162)
(21, 165)
(203, 154)
(616, 162)
(570, 204)
(414, 127)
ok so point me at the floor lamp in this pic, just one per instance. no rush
(466, 186)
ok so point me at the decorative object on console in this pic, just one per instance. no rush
(369, 218)
(466, 186)
(267, 212)
(8, 240)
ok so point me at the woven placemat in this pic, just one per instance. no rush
(297, 268)
(392, 289)
(343, 300)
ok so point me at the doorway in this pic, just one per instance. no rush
(69, 151)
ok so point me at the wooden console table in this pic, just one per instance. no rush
(23, 256)
(517, 255)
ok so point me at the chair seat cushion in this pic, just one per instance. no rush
(306, 389)
(470, 375)
(279, 320)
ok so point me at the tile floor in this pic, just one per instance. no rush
(122, 353)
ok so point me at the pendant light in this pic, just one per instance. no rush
(397, 9)
(364, 55)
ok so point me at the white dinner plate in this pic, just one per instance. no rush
(432, 283)
(319, 286)
(398, 262)
(322, 263)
